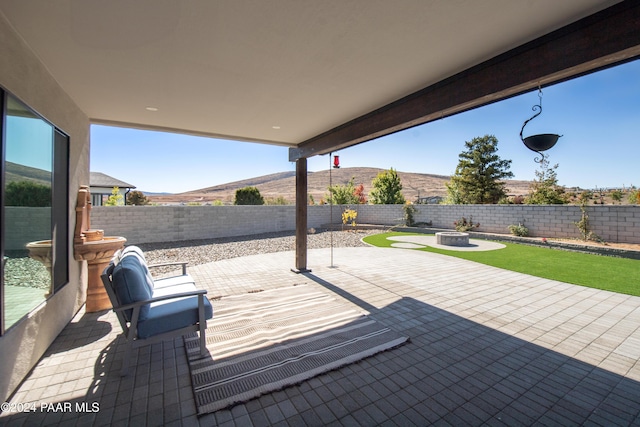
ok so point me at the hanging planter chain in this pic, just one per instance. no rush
(542, 142)
(534, 108)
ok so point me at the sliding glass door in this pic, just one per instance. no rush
(34, 210)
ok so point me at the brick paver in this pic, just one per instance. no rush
(488, 347)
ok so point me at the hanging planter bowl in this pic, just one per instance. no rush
(541, 142)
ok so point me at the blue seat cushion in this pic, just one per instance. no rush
(169, 316)
(130, 285)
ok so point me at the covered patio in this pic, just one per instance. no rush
(316, 77)
(488, 347)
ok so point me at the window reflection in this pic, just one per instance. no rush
(28, 179)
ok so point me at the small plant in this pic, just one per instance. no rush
(349, 216)
(519, 230)
(463, 225)
(409, 212)
(584, 227)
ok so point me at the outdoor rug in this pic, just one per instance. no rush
(264, 341)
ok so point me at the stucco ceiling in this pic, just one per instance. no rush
(274, 71)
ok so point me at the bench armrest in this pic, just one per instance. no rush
(166, 264)
(162, 298)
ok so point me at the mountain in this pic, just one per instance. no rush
(18, 172)
(283, 184)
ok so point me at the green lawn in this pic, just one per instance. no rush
(620, 275)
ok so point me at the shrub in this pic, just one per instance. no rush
(409, 212)
(463, 225)
(634, 196)
(349, 216)
(519, 230)
(343, 194)
(137, 198)
(27, 193)
(616, 195)
(248, 196)
(281, 201)
(359, 193)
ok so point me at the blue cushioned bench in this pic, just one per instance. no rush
(151, 310)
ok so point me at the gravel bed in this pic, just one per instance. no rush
(23, 271)
(26, 272)
(203, 251)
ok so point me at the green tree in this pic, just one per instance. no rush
(27, 193)
(544, 189)
(480, 171)
(248, 196)
(387, 189)
(343, 194)
(115, 199)
(454, 194)
(137, 198)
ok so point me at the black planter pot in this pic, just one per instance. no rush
(541, 142)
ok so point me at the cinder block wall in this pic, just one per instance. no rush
(147, 224)
(612, 223)
(27, 225)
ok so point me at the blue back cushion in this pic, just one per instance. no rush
(137, 252)
(130, 285)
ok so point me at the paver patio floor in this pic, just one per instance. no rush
(488, 347)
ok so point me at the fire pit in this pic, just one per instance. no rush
(452, 238)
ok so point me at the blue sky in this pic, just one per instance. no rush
(29, 142)
(597, 115)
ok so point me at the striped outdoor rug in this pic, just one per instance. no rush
(261, 342)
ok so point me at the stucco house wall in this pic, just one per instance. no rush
(24, 76)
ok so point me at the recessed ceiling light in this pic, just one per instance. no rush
(151, 108)
(275, 127)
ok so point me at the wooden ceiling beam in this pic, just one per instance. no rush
(601, 40)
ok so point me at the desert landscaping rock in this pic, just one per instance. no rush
(203, 251)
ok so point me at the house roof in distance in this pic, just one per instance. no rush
(99, 179)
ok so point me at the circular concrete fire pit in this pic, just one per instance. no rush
(452, 238)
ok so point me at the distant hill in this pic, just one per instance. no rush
(283, 184)
(17, 172)
(251, 182)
